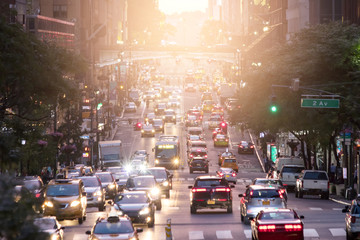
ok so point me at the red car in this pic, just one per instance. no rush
(282, 224)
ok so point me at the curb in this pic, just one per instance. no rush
(339, 201)
(257, 154)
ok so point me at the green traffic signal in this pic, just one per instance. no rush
(99, 106)
(273, 109)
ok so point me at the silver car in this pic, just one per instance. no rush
(257, 198)
(352, 219)
(228, 173)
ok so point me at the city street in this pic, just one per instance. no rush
(323, 218)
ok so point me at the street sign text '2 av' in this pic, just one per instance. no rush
(320, 103)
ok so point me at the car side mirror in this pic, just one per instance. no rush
(302, 217)
(190, 187)
(241, 195)
(139, 230)
(88, 232)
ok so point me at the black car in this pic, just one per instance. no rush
(137, 205)
(164, 179)
(160, 108)
(246, 147)
(36, 187)
(199, 164)
(145, 183)
(108, 182)
(169, 116)
(210, 192)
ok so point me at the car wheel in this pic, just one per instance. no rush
(167, 194)
(193, 210)
(325, 196)
(229, 209)
(158, 206)
(80, 220)
(152, 222)
(101, 208)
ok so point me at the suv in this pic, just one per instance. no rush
(199, 164)
(65, 199)
(108, 182)
(257, 198)
(312, 182)
(36, 187)
(210, 192)
(160, 108)
(169, 116)
(164, 179)
(196, 152)
(95, 193)
(289, 173)
(352, 219)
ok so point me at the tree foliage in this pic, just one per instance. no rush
(325, 58)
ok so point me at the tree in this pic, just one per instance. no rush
(325, 57)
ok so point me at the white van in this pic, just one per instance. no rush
(281, 161)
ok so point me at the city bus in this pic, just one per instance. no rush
(167, 152)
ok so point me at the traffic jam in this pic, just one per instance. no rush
(130, 191)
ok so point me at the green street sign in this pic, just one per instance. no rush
(320, 103)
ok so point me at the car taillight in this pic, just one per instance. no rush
(205, 156)
(191, 155)
(233, 174)
(293, 227)
(241, 146)
(221, 174)
(215, 139)
(328, 185)
(252, 146)
(222, 190)
(266, 228)
(226, 140)
(198, 190)
(139, 124)
(37, 195)
(282, 191)
(353, 219)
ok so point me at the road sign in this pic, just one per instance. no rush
(320, 103)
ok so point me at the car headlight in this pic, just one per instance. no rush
(157, 161)
(133, 238)
(98, 193)
(111, 186)
(74, 203)
(49, 204)
(161, 126)
(153, 130)
(155, 191)
(144, 211)
(54, 236)
(142, 131)
(176, 161)
(166, 183)
(173, 117)
(163, 117)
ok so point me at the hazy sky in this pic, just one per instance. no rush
(173, 6)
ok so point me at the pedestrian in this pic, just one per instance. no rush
(332, 172)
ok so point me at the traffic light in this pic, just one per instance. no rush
(99, 106)
(223, 127)
(274, 108)
(86, 152)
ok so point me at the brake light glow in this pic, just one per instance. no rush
(222, 190)
(282, 191)
(222, 200)
(266, 228)
(233, 174)
(198, 190)
(251, 193)
(293, 227)
(226, 140)
(252, 146)
(139, 124)
(205, 156)
(191, 155)
(215, 139)
(241, 146)
(221, 174)
(223, 124)
(37, 195)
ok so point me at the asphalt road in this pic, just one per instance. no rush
(323, 218)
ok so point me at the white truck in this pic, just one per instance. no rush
(227, 90)
(312, 182)
(111, 153)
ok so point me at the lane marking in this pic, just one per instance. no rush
(337, 232)
(181, 179)
(193, 235)
(310, 232)
(190, 179)
(247, 233)
(225, 234)
(337, 209)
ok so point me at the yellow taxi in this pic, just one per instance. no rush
(208, 105)
(230, 162)
(225, 154)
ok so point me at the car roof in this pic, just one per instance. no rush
(226, 169)
(133, 192)
(208, 177)
(158, 168)
(278, 210)
(262, 187)
(64, 181)
(143, 176)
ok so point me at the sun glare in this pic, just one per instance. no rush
(177, 6)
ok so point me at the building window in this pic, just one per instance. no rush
(60, 11)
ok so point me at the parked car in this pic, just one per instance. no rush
(312, 182)
(352, 219)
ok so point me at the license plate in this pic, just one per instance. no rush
(266, 202)
(211, 202)
(227, 175)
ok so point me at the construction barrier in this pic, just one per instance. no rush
(168, 230)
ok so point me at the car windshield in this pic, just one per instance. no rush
(220, 136)
(215, 118)
(150, 115)
(315, 176)
(225, 154)
(267, 182)
(45, 223)
(230, 160)
(195, 132)
(141, 182)
(194, 137)
(90, 182)
(32, 185)
(277, 216)
(113, 228)
(265, 193)
(158, 173)
(105, 177)
(62, 190)
(192, 117)
(168, 152)
(148, 127)
(157, 122)
(131, 198)
(210, 182)
(292, 169)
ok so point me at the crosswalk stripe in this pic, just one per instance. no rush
(337, 209)
(225, 234)
(310, 232)
(337, 232)
(80, 237)
(248, 180)
(316, 208)
(247, 233)
(190, 179)
(181, 179)
(194, 235)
